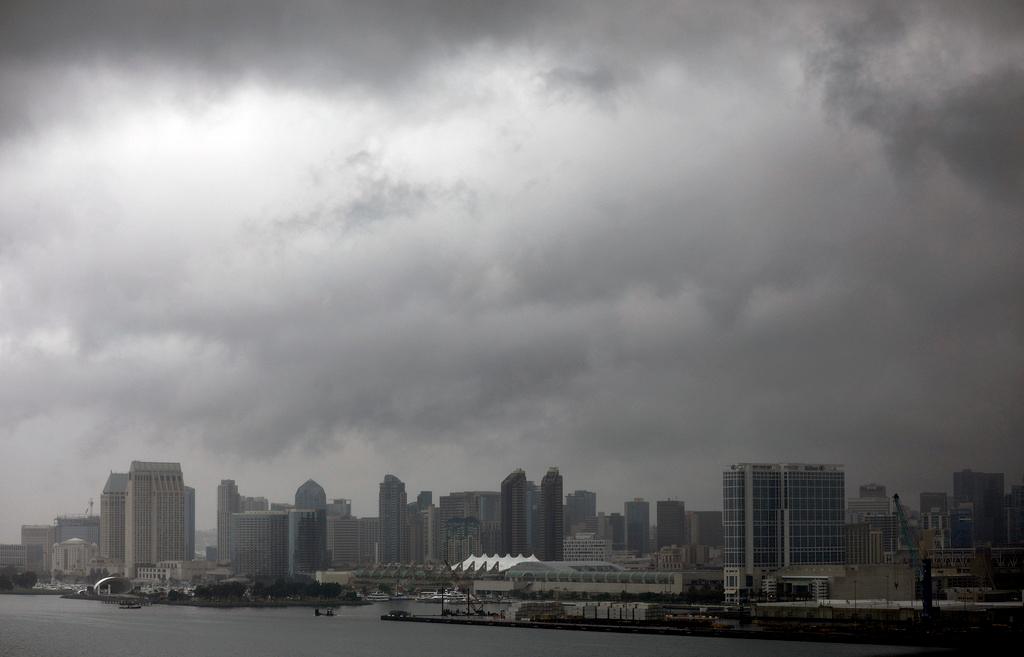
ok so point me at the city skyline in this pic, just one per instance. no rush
(364, 504)
(276, 241)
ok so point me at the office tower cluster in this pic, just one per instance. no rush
(788, 532)
(265, 541)
(147, 516)
(785, 529)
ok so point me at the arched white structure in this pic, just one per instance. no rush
(493, 563)
(112, 585)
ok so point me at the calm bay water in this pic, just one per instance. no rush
(47, 626)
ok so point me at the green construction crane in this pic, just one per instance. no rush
(922, 568)
(908, 538)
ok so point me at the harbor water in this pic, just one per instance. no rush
(48, 626)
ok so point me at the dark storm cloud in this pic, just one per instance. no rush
(972, 122)
(712, 272)
(53, 53)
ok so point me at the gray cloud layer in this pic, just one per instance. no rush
(673, 239)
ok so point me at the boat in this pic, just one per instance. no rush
(448, 597)
(377, 596)
(129, 604)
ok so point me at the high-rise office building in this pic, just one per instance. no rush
(934, 503)
(671, 523)
(307, 532)
(858, 508)
(85, 527)
(513, 514)
(986, 491)
(935, 533)
(705, 528)
(228, 503)
(533, 517)
(424, 499)
(462, 538)
(617, 527)
(580, 511)
(259, 544)
(392, 504)
(430, 523)
(476, 506)
(310, 495)
(488, 505)
(38, 541)
(552, 515)
(414, 532)
(863, 544)
(961, 525)
(247, 503)
(339, 507)
(189, 509)
(343, 540)
(776, 515)
(154, 515)
(638, 526)
(369, 541)
(112, 516)
(873, 490)
(490, 537)
(307, 541)
(1015, 515)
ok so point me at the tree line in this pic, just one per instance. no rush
(279, 590)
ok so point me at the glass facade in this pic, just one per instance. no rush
(733, 517)
(814, 501)
(792, 513)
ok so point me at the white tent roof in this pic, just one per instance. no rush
(489, 562)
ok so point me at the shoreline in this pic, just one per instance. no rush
(237, 604)
(944, 644)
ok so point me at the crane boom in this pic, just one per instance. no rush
(908, 540)
(922, 569)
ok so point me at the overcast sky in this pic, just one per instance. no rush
(276, 240)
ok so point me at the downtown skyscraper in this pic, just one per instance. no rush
(392, 506)
(671, 523)
(154, 515)
(552, 517)
(228, 502)
(638, 526)
(112, 516)
(986, 491)
(513, 514)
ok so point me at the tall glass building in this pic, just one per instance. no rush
(307, 541)
(638, 526)
(259, 544)
(780, 514)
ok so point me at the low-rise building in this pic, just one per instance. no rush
(586, 547)
(73, 557)
(595, 577)
(13, 555)
(892, 581)
(38, 541)
(687, 557)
